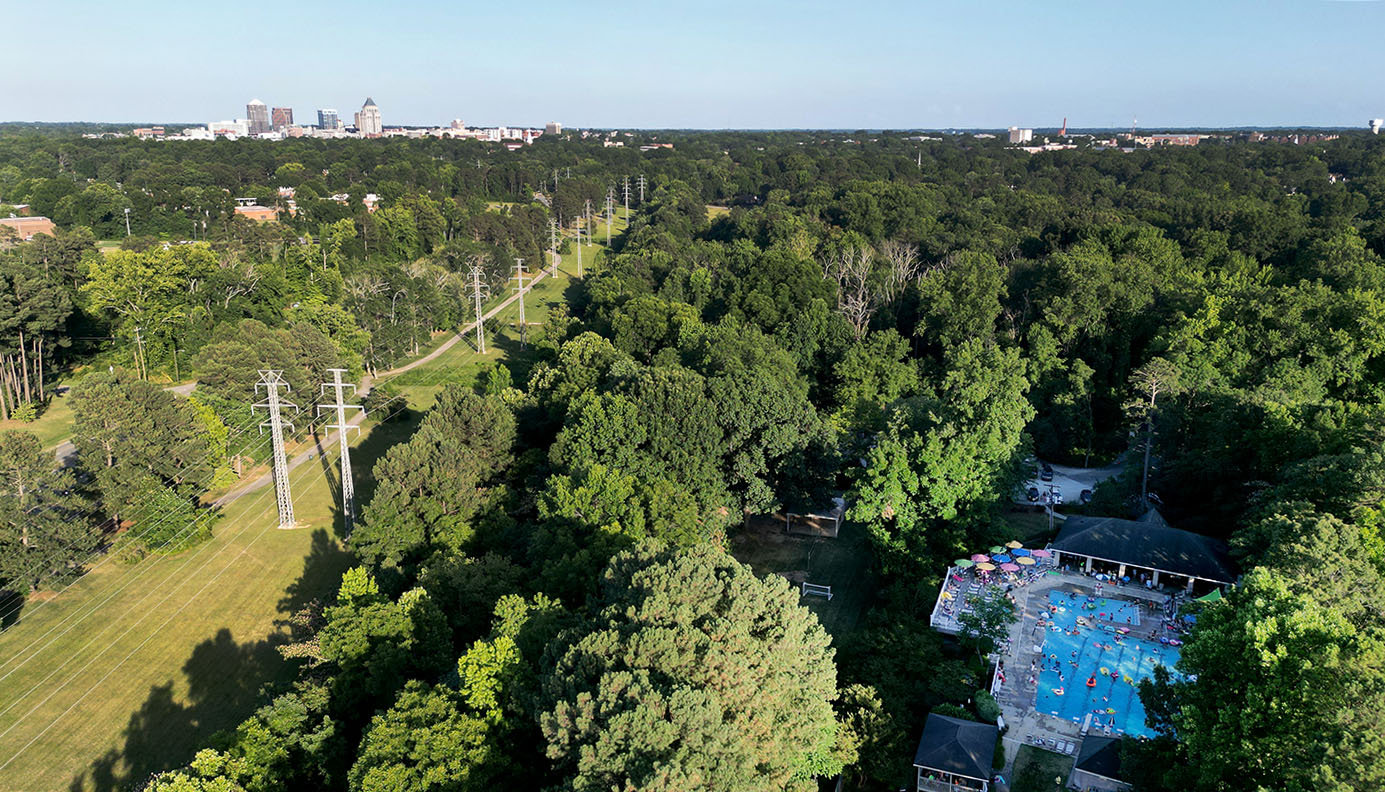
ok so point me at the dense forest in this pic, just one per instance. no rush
(544, 597)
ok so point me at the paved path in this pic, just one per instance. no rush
(366, 383)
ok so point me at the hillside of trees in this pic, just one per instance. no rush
(544, 597)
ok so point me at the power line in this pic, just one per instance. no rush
(553, 246)
(479, 291)
(523, 325)
(641, 180)
(272, 380)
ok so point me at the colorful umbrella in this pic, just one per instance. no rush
(1009, 567)
(1025, 561)
(963, 562)
(1001, 558)
(1012, 544)
(1040, 553)
(1019, 551)
(985, 567)
(979, 557)
(996, 549)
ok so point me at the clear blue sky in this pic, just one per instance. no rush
(851, 63)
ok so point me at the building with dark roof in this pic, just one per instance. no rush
(1148, 543)
(1098, 765)
(954, 754)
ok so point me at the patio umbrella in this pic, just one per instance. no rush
(1001, 558)
(996, 549)
(1012, 544)
(979, 557)
(1040, 553)
(1025, 561)
(1019, 551)
(986, 567)
(963, 562)
(1009, 568)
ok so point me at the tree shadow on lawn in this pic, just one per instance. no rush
(227, 681)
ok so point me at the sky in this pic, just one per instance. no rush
(850, 64)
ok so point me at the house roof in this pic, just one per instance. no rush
(956, 746)
(1147, 542)
(1100, 756)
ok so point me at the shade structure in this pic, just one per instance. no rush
(979, 557)
(1009, 567)
(986, 567)
(1001, 558)
(996, 549)
(1019, 551)
(963, 562)
(1012, 544)
(1040, 553)
(1026, 561)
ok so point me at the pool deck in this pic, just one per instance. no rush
(1016, 696)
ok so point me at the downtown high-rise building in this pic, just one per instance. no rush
(368, 122)
(281, 118)
(257, 117)
(328, 119)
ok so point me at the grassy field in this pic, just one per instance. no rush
(134, 667)
(52, 427)
(1035, 770)
(840, 562)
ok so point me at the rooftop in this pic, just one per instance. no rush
(956, 746)
(1100, 756)
(1148, 542)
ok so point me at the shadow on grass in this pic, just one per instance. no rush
(226, 682)
(11, 603)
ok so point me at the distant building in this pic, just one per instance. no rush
(328, 119)
(368, 122)
(239, 127)
(553, 128)
(257, 117)
(26, 228)
(1018, 135)
(148, 132)
(260, 214)
(281, 118)
(1376, 123)
(1175, 140)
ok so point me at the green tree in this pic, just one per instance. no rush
(694, 673)
(44, 531)
(425, 742)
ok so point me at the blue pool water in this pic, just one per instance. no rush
(1098, 647)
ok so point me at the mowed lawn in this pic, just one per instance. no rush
(135, 667)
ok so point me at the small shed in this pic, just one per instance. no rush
(954, 754)
(1098, 765)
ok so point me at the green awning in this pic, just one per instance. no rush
(1215, 596)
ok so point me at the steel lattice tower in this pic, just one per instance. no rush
(272, 380)
(348, 487)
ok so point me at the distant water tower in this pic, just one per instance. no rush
(1376, 124)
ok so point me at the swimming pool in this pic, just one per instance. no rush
(1114, 663)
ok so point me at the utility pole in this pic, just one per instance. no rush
(627, 198)
(272, 380)
(348, 488)
(641, 189)
(127, 221)
(479, 291)
(553, 245)
(523, 324)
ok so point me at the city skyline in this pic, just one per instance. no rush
(748, 65)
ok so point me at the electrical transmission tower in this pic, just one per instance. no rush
(641, 189)
(523, 325)
(480, 292)
(627, 198)
(610, 198)
(272, 380)
(588, 204)
(553, 245)
(348, 488)
(579, 247)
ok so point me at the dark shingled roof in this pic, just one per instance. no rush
(1147, 542)
(1100, 756)
(960, 747)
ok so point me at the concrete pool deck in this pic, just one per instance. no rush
(1016, 695)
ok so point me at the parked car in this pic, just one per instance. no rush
(1046, 472)
(1032, 494)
